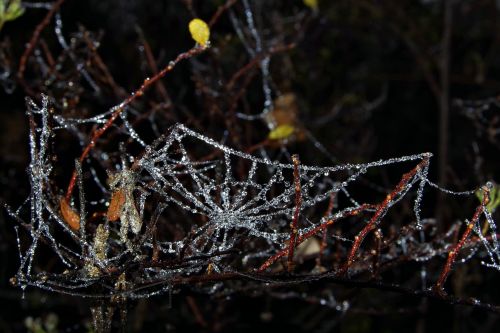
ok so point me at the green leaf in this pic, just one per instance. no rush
(10, 10)
(494, 198)
(14, 10)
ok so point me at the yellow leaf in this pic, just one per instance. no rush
(199, 31)
(313, 4)
(281, 132)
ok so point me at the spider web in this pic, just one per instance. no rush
(234, 210)
(259, 199)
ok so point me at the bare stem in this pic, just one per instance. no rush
(312, 232)
(296, 214)
(118, 109)
(454, 251)
(381, 210)
(34, 38)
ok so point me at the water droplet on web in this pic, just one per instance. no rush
(221, 199)
(23, 291)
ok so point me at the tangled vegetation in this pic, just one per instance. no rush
(216, 179)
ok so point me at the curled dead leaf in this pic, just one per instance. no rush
(284, 120)
(116, 205)
(69, 215)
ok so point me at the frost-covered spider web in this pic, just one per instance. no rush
(192, 206)
(234, 190)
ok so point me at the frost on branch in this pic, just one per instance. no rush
(189, 207)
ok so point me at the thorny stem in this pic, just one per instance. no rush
(117, 110)
(438, 287)
(296, 214)
(381, 209)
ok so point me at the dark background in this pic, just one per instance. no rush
(348, 55)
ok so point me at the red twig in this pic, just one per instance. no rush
(160, 87)
(34, 38)
(108, 78)
(196, 311)
(381, 209)
(296, 214)
(313, 232)
(328, 212)
(376, 253)
(220, 11)
(256, 61)
(50, 59)
(118, 109)
(438, 287)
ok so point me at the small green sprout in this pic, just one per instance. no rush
(494, 198)
(10, 10)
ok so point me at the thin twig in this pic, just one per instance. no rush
(118, 109)
(381, 210)
(314, 231)
(439, 286)
(34, 38)
(328, 212)
(220, 11)
(296, 214)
